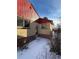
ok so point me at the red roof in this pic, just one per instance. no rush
(42, 21)
(25, 9)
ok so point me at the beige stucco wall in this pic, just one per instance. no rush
(45, 31)
(51, 27)
(22, 32)
(32, 30)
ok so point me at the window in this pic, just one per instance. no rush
(22, 23)
(19, 22)
(26, 24)
(44, 27)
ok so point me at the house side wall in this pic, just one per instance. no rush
(45, 31)
(22, 32)
(32, 31)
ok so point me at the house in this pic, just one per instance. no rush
(41, 27)
(26, 14)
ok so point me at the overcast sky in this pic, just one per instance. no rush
(48, 8)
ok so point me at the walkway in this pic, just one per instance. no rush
(37, 49)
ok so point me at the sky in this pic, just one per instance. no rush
(48, 8)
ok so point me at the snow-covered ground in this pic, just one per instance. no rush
(37, 49)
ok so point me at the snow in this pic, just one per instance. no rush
(37, 49)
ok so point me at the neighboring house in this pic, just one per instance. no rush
(41, 27)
